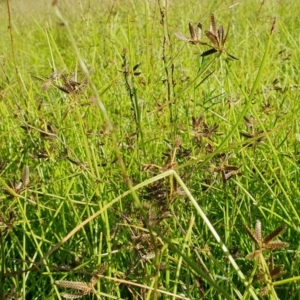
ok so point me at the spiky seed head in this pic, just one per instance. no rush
(277, 272)
(228, 175)
(72, 76)
(95, 277)
(275, 233)
(18, 186)
(258, 231)
(71, 296)
(25, 177)
(264, 291)
(197, 122)
(209, 52)
(251, 235)
(53, 76)
(136, 66)
(272, 245)
(223, 41)
(76, 285)
(274, 273)
(213, 38)
(254, 254)
(231, 168)
(199, 31)
(195, 35)
(148, 256)
(178, 142)
(63, 89)
(213, 28)
(182, 37)
(221, 35)
(273, 25)
(192, 32)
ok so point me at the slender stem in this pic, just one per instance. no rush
(11, 36)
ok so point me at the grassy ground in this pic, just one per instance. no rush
(132, 167)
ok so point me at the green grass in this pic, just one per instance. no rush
(133, 171)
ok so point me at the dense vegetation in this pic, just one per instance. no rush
(140, 159)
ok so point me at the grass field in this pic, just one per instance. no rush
(139, 160)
